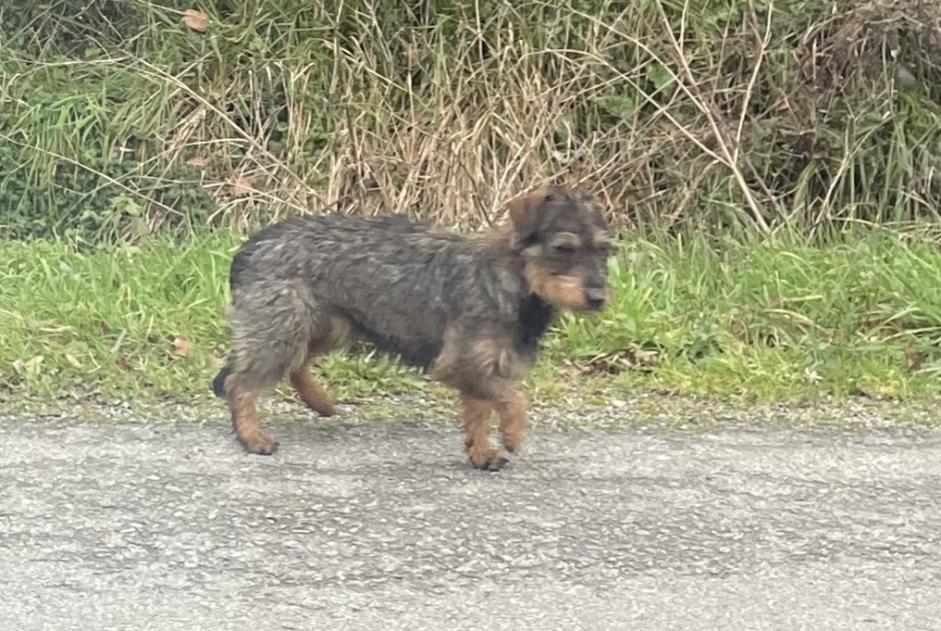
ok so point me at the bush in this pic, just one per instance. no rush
(813, 113)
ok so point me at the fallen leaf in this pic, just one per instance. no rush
(181, 347)
(242, 186)
(73, 360)
(195, 20)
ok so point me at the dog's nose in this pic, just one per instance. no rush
(595, 297)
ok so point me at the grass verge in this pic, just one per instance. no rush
(772, 320)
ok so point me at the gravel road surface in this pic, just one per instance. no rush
(112, 521)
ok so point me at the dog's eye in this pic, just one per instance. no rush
(563, 248)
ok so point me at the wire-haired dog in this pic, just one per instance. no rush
(470, 309)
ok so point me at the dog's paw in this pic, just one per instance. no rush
(325, 409)
(488, 459)
(259, 442)
(513, 443)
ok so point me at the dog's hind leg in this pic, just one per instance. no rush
(271, 332)
(328, 334)
(310, 392)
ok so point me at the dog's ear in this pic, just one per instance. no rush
(524, 215)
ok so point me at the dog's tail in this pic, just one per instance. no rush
(218, 384)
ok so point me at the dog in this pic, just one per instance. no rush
(469, 310)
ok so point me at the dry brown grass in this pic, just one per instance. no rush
(729, 115)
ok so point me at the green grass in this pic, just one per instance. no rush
(775, 320)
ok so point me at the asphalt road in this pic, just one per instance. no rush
(130, 524)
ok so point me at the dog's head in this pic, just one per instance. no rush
(563, 241)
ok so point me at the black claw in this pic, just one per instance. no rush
(496, 464)
(261, 450)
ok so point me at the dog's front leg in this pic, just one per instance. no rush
(476, 415)
(511, 409)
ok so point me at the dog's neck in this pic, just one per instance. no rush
(498, 240)
(499, 244)
(535, 316)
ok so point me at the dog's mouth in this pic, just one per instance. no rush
(594, 304)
